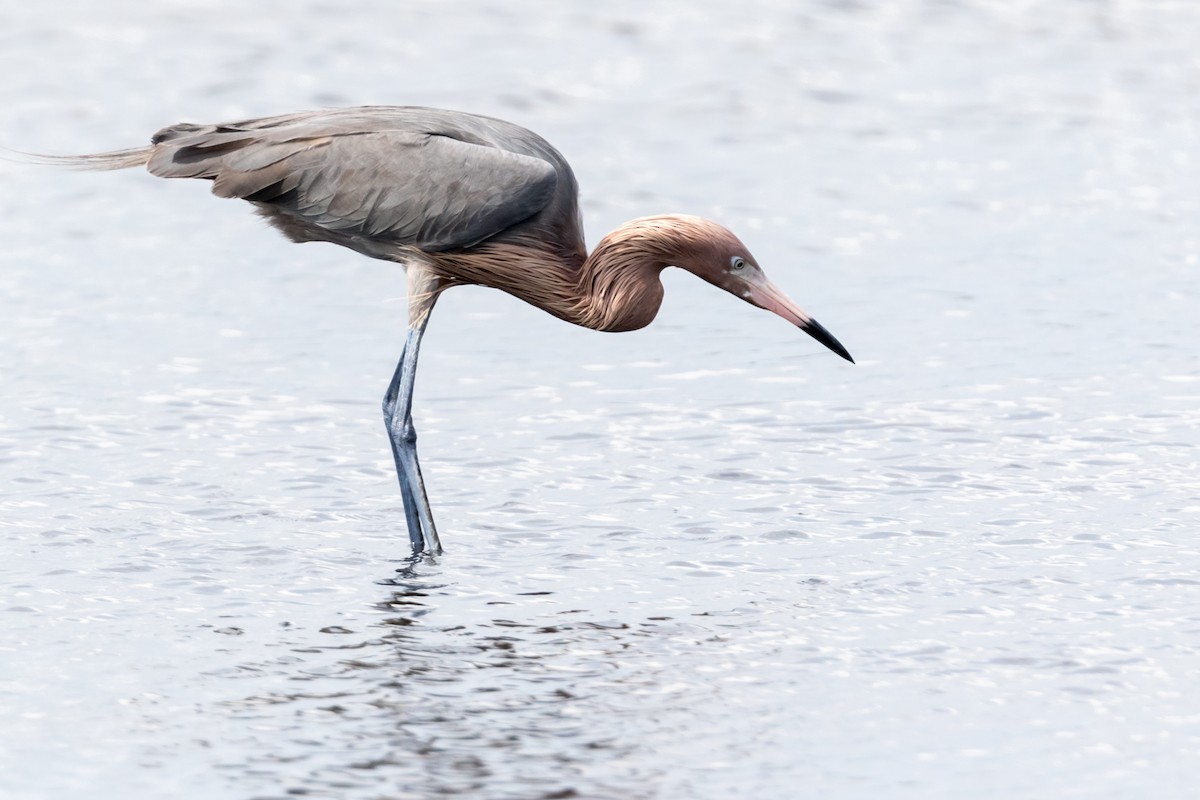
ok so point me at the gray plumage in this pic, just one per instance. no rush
(374, 178)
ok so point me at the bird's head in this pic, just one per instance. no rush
(711, 252)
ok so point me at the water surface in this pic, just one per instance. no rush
(703, 560)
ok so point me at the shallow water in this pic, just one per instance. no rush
(703, 560)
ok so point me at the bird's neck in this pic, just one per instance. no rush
(618, 286)
(619, 283)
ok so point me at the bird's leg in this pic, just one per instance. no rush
(423, 291)
(389, 412)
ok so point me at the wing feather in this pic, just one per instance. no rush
(425, 189)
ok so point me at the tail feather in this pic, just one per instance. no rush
(115, 159)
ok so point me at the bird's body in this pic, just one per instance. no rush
(457, 199)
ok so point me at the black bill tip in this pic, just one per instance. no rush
(818, 332)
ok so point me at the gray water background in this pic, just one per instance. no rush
(704, 560)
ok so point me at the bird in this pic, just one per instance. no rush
(455, 198)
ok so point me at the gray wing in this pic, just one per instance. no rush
(428, 190)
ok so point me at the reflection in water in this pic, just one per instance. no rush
(534, 708)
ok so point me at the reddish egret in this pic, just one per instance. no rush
(456, 199)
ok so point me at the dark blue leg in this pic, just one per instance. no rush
(397, 414)
(423, 291)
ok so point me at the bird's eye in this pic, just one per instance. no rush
(737, 263)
